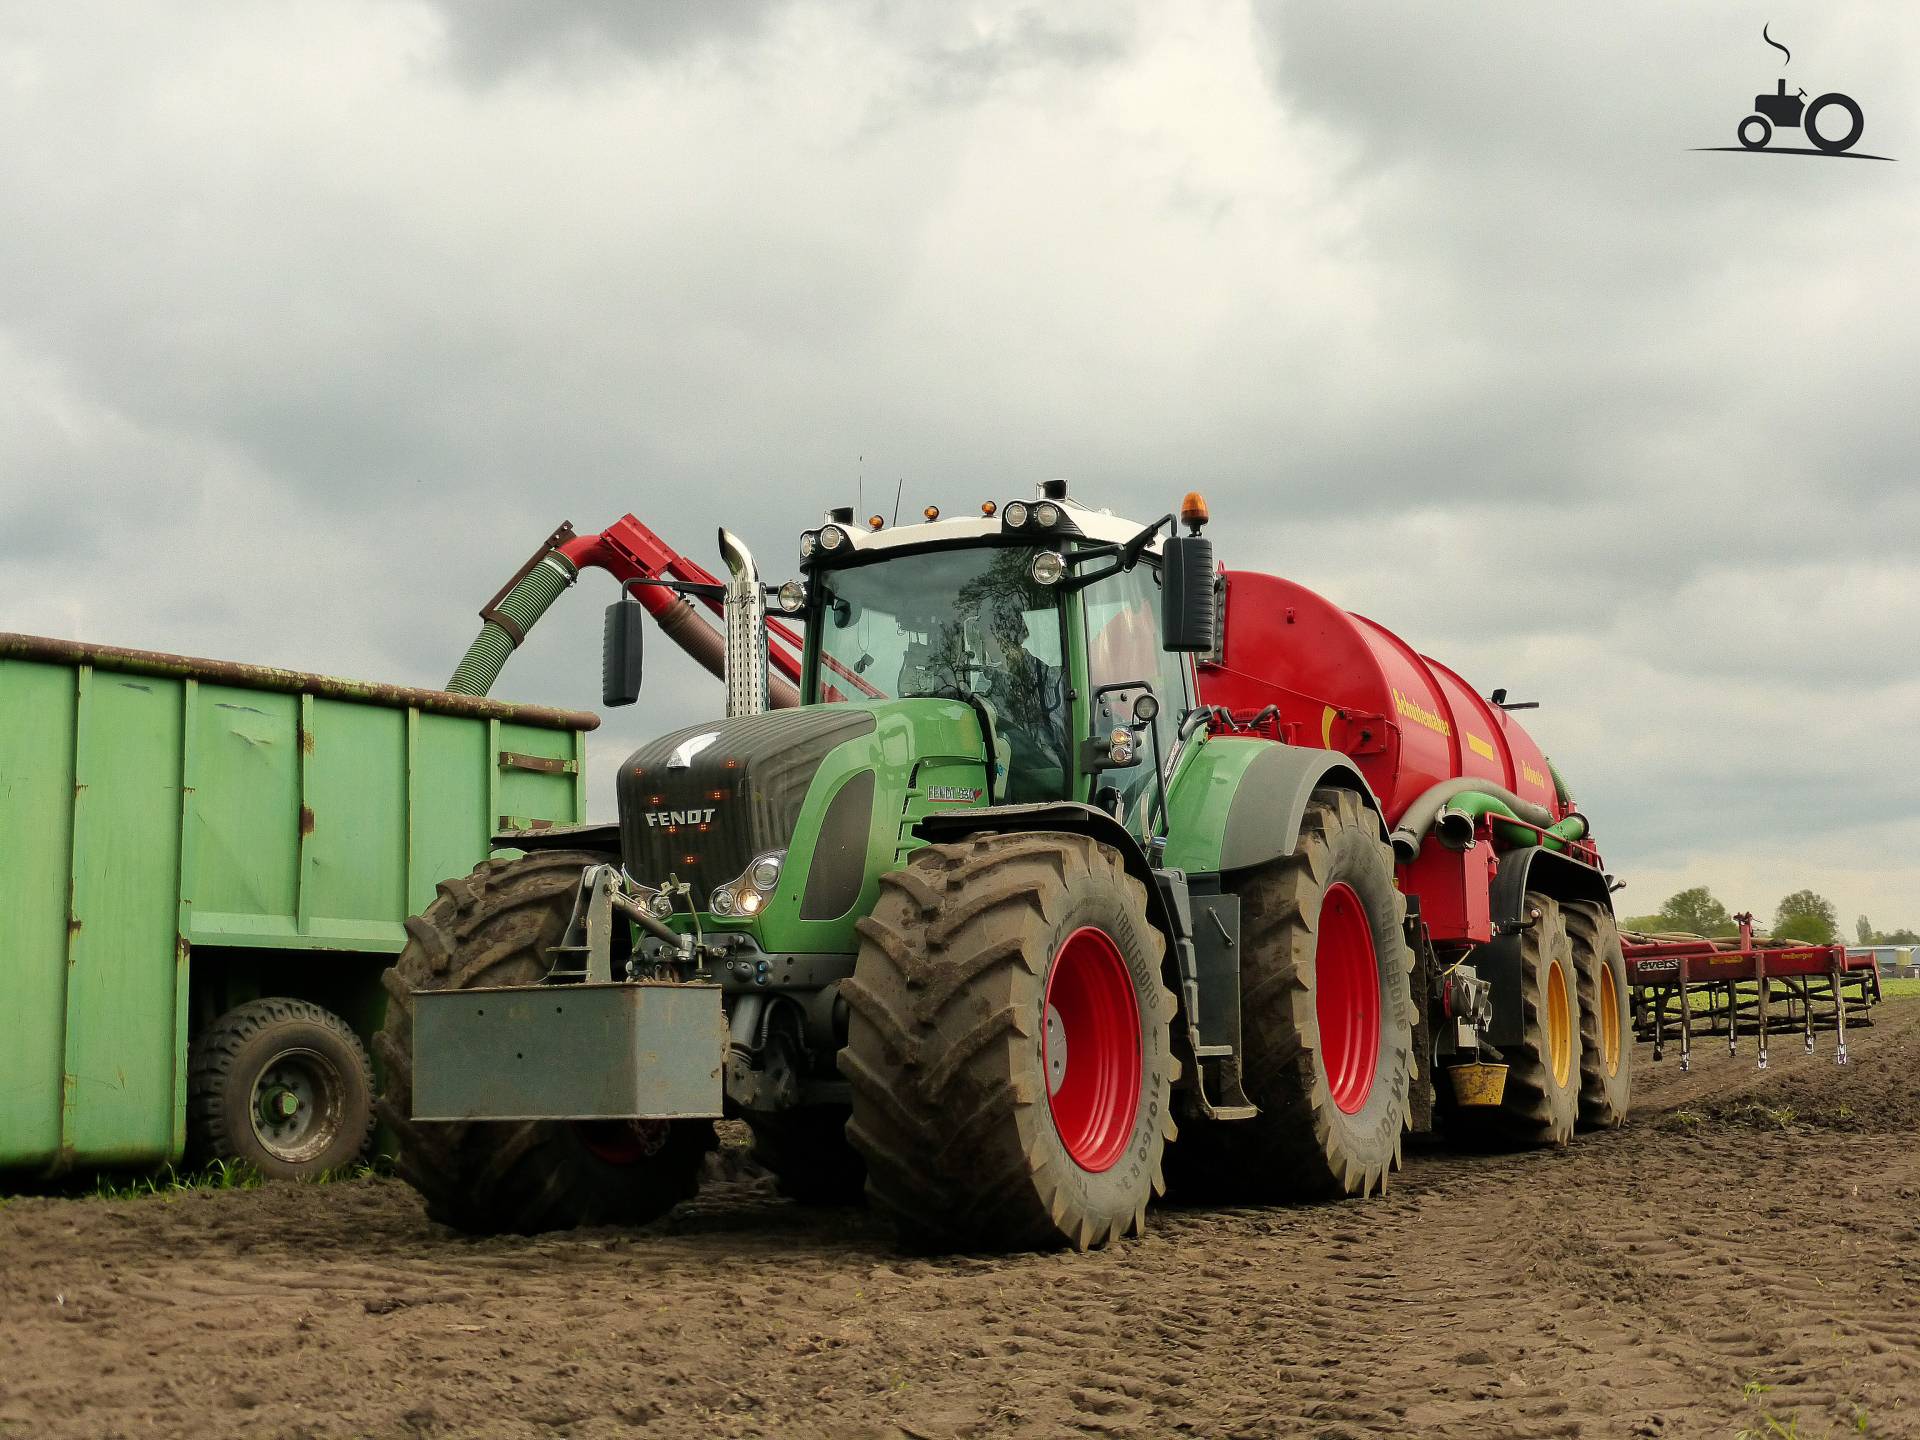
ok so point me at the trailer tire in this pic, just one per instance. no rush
(809, 1156)
(981, 963)
(1336, 889)
(271, 1052)
(493, 927)
(1541, 1105)
(1606, 1017)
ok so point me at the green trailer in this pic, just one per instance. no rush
(204, 869)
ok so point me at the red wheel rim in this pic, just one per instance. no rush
(623, 1142)
(1090, 1049)
(1346, 997)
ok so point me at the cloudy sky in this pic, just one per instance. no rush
(315, 319)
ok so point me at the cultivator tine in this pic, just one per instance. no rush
(1686, 1017)
(1761, 1017)
(1806, 1010)
(1839, 1018)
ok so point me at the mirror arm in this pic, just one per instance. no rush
(1130, 552)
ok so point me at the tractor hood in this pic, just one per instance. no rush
(702, 803)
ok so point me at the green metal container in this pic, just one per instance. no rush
(179, 835)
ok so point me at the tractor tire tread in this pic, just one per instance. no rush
(519, 1177)
(934, 1095)
(213, 1054)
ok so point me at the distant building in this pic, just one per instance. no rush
(1890, 959)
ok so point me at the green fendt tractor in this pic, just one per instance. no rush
(967, 930)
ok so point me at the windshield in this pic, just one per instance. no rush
(956, 623)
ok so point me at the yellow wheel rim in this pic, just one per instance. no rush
(1559, 1024)
(1609, 999)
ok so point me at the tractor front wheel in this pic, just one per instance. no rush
(1008, 1048)
(494, 927)
(1327, 1020)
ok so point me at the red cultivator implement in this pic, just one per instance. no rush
(1686, 983)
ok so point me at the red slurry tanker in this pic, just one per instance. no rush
(1055, 864)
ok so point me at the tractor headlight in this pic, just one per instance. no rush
(793, 597)
(1120, 747)
(660, 905)
(1047, 513)
(1047, 568)
(809, 542)
(1015, 514)
(832, 537)
(748, 894)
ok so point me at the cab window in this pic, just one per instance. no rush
(1123, 647)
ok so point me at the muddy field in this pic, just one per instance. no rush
(1745, 1252)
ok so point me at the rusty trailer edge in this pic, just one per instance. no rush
(297, 682)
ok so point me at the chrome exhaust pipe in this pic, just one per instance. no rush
(746, 662)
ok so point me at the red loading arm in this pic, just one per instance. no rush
(628, 550)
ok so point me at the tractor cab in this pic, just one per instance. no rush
(1046, 619)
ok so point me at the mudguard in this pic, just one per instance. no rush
(1498, 961)
(1240, 802)
(1065, 816)
(601, 836)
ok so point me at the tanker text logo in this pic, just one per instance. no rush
(1420, 715)
(1832, 123)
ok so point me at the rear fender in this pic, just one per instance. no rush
(1240, 802)
(1498, 961)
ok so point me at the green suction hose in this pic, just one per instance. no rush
(507, 622)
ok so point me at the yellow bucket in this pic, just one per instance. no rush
(1478, 1084)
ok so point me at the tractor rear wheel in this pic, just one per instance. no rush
(1008, 1047)
(1606, 1021)
(1542, 1100)
(494, 927)
(1327, 1019)
(807, 1151)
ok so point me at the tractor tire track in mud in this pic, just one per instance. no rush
(1744, 1248)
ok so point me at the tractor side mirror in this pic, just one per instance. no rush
(620, 651)
(1186, 593)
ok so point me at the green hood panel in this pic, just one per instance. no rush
(912, 756)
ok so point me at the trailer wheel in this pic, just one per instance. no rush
(1326, 1020)
(1008, 1047)
(494, 927)
(284, 1086)
(1606, 1017)
(810, 1157)
(1542, 1101)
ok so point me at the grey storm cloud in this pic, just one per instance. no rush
(313, 321)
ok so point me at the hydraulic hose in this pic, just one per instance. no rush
(1419, 817)
(1560, 786)
(1454, 824)
(507, 622)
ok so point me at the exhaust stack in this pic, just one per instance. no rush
(746, 665)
